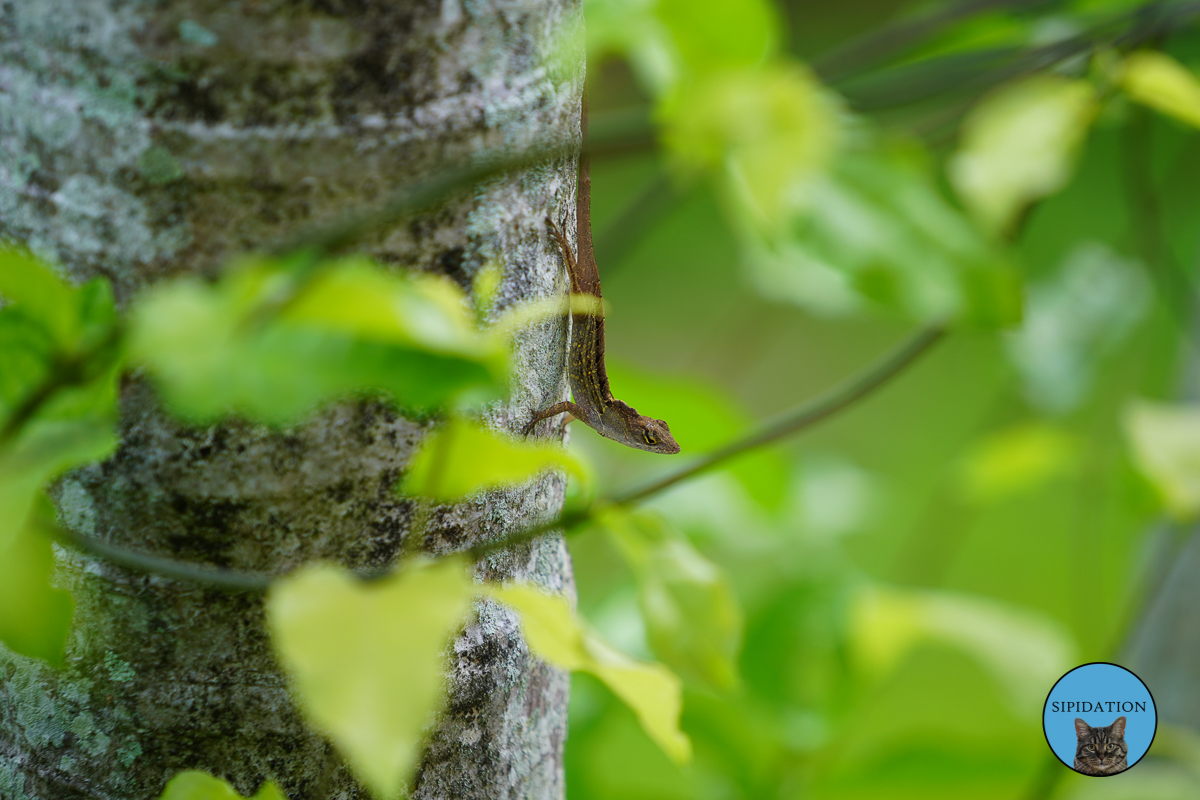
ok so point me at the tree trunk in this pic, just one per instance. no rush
(141, 140)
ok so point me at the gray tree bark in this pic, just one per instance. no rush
(140, 140)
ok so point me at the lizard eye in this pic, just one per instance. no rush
(648, 438)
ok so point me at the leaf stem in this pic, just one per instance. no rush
(66, 370)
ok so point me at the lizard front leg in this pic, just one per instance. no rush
(558, 408)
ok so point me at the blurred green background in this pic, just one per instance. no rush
(914, 574)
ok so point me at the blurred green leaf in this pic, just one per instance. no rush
(1016, 460)
(1024, 652)
(769, 132)
(354, 328)
(1019, 146)
(56, 339)
(35, 618)
(669, 41)
(704, 417)
(1166, 447)
(1073, 318)
(716, 34)
(196, 785)
(43, 450)
(1155, 79)
(693, 620)
(34, 289)
(366, 658)
(880, 231)
(25, 354)
(462, 458)
(556, 635)
(73, 317)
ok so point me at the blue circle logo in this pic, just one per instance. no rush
(1099, 719)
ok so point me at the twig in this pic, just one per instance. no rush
(892, 40)
(228, 580)
(803, 416)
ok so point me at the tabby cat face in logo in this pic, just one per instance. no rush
(1100, 751)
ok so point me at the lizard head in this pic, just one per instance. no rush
(622, 423)
(652, 434)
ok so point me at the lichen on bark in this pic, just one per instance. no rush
(143, 140)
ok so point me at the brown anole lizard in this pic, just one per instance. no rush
(594, 403)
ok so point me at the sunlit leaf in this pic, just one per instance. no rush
(692, 618)
(672, 40)
(1166, 447)
(43, 450)
(770, 133)
(366, 658)
(879, 232)
(631, 29)
(32, 287)
(354, 328)
(716, 34)
(196, 785)
(1016, 460)
(1023, 651)
(462, 458)
(57, 343)
(1019, 145)
(1072, 319)
(74, 317)
(1159, 81)
(35, 617)
(556, 635)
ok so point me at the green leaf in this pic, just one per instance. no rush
(716, 34)
(1155, 79)
(366, 658)
(556, 635)
(26, 351)
(769, 132)
(462, 458)
(1024, 652)
(1073, 318)
(692, 617)
(35, 617)
(42, 451)
(1017, 460)
(354, 328)
(34, 289)
(1166, 448)
(1019, 145)
(196, 785)
(880, 232)
(669, 41)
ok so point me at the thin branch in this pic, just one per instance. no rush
(972, 73)
(892, 40)
(803, 416)
(228, 580)
(624, 131)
